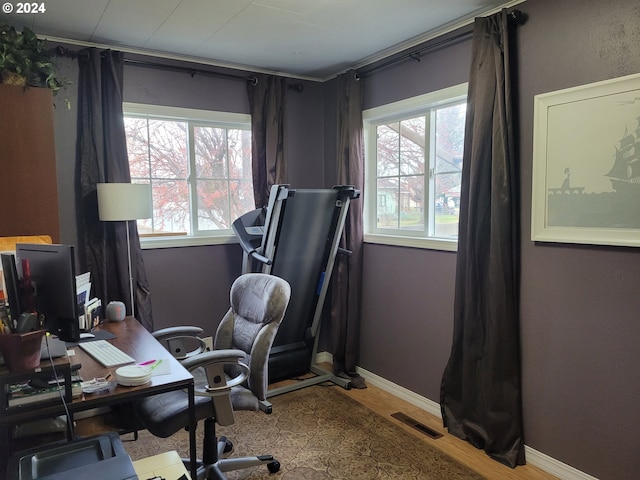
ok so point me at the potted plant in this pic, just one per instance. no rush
(25, 61)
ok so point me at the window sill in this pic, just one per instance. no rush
(413, 242)
(149, 243)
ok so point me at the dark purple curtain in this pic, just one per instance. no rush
(481, 388)
(266, 105)
(102, 157)
(346, 288)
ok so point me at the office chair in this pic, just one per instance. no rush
(234, 376)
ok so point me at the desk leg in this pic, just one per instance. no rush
(5, 449)
(192, 433)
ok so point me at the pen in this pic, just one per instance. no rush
(148, 362)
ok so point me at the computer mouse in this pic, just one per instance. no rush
(87, 335)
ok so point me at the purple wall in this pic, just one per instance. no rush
(407, 315)
(579, 304)
(304, 117)
(180, 89)
(579, 308)
(190, 285)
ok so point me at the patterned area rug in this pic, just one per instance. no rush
(317, 433)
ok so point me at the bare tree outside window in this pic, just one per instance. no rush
(449, 138)
(223, 172)
(403, 148)
(414, 167)
(200, 173)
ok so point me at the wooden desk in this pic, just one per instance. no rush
(133, 339)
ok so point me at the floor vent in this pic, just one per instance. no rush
(417, 425)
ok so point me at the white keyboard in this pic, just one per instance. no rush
(107, 354)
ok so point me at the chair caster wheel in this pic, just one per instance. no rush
(274, 466)
(228, 446)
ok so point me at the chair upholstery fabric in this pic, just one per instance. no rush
(251, 325)
(247, 331)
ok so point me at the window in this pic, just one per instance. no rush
(413, 151)
(199, 166)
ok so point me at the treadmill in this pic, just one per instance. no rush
(296, 237)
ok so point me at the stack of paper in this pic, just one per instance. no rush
(91, 307)
(83, 287)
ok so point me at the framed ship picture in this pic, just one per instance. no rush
(586, 164)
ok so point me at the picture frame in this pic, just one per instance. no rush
(586, 164)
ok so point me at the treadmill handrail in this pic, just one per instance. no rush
(244, 238)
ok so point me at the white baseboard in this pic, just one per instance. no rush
(403, 393)
(324, 357)
(554, 467)
(534, 457)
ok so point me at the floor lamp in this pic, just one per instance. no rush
(123, 202)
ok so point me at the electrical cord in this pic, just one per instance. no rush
(60, 391)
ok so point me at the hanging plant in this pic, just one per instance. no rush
(25, 61)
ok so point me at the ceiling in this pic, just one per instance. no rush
(314, 39)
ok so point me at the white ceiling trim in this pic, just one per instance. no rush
(426, 37)
(221, 64)
(172, 56)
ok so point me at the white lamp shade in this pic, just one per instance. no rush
(124, 201)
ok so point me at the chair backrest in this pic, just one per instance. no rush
(258, 305)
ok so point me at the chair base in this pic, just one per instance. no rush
(216, 471)
(212, 466)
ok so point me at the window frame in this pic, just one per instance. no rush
(194, 118)
(396, 111)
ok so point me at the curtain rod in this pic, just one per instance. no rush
(191, 71)
(65, 52)
(515, 17)
(297, 87)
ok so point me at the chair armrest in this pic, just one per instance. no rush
(213, 364)
(178, 330)
(175, 339)
(229, 356)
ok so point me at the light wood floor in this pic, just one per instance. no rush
(386, 404)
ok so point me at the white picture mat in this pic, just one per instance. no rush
(578, 129)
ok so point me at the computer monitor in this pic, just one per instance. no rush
(11, 284)
(53, 274)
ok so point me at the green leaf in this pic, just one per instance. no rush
(25, 54)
